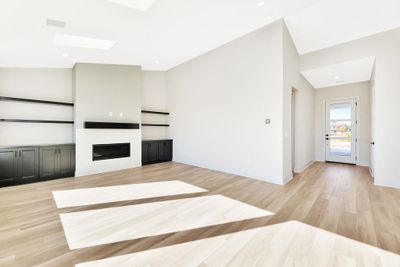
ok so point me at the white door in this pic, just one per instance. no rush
(340, 134)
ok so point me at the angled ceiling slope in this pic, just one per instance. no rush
(328, 23)
(359, 70)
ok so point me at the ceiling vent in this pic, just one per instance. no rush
(55, 23)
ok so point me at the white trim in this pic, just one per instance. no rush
(287, 179)
(387, 183)
(371, 172)
(304, 167)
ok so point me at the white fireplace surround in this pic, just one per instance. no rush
(86, 138)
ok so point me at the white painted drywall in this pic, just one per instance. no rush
(154, 97)
(219, 103)
(360, 90)
(99, 90)
(385, 46)
(45, 84)
(304, 111)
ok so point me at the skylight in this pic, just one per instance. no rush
(141, 5)
(82, 42)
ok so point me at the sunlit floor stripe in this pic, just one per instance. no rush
(107, 194)
(104, 226)
(286, 244)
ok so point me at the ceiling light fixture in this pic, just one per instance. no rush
(82, 42)
(261, 3)
(337, 77)
(65, 55)
(157, 61)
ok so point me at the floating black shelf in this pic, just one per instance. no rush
(110, 125)
(38, 101)
(36, 121)
(155, 112)
(153, 124)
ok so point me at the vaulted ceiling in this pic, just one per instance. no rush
(160, 34)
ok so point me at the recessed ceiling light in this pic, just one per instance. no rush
(157, 61)
(141, 5)
(82, 42)
(337, 77)
(261, 3)
(65, 55)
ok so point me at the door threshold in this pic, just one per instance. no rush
(355, 164)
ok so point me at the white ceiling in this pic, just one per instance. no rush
(332, 22)
(170, 32)
(359, 70)
(161, 34)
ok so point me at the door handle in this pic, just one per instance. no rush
(373, 143)
(327, 138)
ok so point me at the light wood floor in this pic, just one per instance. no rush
(338, 198)
(285, 244)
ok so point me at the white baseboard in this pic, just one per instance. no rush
(371, 172)
(387, 183)
(287, 179)
(303, 168)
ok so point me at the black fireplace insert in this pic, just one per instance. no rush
(111, 151)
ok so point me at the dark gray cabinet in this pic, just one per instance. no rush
(155, 151)
(8, 164)
(57, 161)
(17, 164)
(28, 161)
(165, 150)
(20, 165)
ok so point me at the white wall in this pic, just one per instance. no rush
(45, 84)
(304, 111)
(98, 90)
(360, 90)
(220, 100)
(154, 97)
(387, 94)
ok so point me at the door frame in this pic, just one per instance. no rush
(356, 129)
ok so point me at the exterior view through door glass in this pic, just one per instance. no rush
(340, 134)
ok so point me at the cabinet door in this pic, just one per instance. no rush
(165, 150)
(8, 164)
(150, 152)
(67, 160)
(49, 163)
(145, 148)
(28, 163)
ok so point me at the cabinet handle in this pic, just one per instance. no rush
(16, 154)
(19, 153)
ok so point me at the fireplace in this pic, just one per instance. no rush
(111, 151)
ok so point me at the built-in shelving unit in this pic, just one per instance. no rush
(36, 121)
(37, 101)
(155, 124)
(155, 112)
